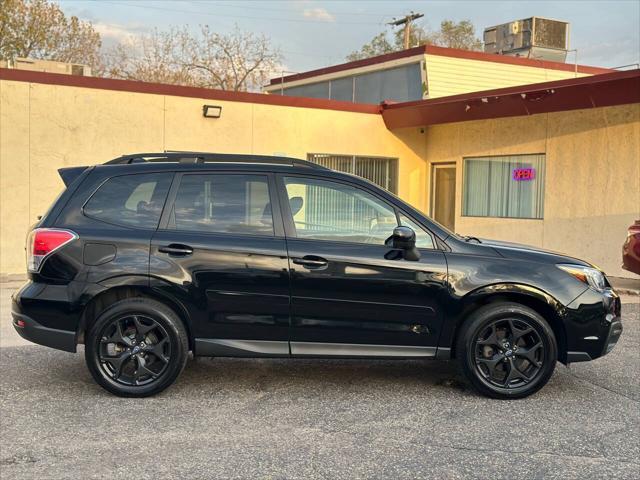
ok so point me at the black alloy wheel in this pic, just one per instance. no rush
(137, 347)
(134, 350)
(509, 353)
(507, 350)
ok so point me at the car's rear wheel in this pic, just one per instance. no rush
(507, 350)
(136, 348)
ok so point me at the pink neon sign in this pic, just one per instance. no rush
(520, 174)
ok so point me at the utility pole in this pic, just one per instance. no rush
(406, 21)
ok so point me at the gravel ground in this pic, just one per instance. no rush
(237, 418)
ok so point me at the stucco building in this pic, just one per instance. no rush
(520, 150)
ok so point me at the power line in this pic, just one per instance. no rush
(199, 12)
(285, 10)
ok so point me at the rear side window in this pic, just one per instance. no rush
(223, 203)
(130, 200)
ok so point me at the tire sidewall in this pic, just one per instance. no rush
(479, 321)
(160, 313)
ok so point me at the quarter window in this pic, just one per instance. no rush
(506, 186)
(324, 210)
(423, 239)
(130, 200)
(223, 204)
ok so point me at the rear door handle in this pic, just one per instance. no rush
(176, 249)
(311, 262)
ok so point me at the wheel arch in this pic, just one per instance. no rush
(541, 302)
(121, 292)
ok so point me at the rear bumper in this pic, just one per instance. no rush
(38, 313)
(31, 330)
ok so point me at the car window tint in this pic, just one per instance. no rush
(423, 238)
(325, 210)
(130, 200)
(220, 203)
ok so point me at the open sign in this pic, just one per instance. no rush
(520, 174)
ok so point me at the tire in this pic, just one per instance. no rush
(137, 347)
(506, 350)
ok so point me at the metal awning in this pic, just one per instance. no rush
(602, 90)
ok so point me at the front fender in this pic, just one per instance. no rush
(547, 305)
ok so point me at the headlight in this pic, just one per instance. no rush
(587, 275)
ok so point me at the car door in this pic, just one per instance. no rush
(349, 296)
(220, 250)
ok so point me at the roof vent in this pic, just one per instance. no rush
(535, 37)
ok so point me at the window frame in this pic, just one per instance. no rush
(394, 164)
(170, 175)
(278, 228)
(489, 157)
(289, 225)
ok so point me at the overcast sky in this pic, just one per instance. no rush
(315, 33)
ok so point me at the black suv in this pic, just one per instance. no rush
(150, 256)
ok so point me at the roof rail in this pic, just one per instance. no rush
(208, 157)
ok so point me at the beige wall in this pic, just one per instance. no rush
(46, 127)
(592, 184)
(592, 156)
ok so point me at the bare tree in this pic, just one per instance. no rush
(39, 29)
(237, 61)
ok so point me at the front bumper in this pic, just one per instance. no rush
(593, 324)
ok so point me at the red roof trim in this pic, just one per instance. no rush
(444, 52)
(604, 90)
(180, 91)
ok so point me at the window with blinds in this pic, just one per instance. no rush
(382, 171)
(510, 186)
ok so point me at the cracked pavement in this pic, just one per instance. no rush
(244, 418)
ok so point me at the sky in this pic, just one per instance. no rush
(316, 33)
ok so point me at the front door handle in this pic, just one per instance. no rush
(176, 249)
(311, 262)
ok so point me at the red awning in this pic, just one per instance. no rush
(602, 90)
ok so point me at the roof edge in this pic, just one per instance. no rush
(609, 89)
(182, 91)
(445, 52)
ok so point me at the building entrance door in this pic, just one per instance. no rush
(443, 194)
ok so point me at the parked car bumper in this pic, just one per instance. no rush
(594, 325)
(40, 317)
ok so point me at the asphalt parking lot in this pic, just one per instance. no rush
(233, 418)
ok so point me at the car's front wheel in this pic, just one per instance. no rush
(507, 350)
(136, 348)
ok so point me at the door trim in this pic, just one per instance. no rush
(212, 347)
(360, 350)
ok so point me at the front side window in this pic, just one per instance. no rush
(505, 186)
(130, 200)
(325, 210)
(223, 203)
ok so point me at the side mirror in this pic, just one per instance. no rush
(404, 238)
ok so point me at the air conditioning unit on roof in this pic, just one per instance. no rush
(534, 37)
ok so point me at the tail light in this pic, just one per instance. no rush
(42, 242)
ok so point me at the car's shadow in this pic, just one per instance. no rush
(34, 366)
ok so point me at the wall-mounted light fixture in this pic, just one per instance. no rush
(211, 111)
